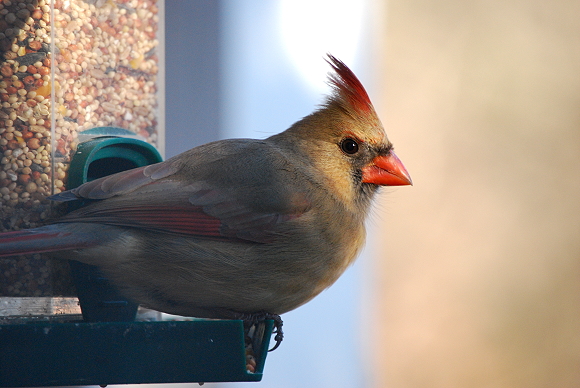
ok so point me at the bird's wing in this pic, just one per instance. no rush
(205, 197)
(120, 183)
(206, 212)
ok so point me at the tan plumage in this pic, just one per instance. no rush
(235, 226)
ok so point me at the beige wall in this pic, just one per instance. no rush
(476, 281)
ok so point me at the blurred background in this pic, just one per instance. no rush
(477, 277)
(470, 278)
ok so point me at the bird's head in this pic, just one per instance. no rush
(347, 142)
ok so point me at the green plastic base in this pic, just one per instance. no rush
(61, 354)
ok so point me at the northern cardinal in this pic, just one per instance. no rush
(234, 227)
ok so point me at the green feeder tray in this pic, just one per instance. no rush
(61, 354)
(108, 347)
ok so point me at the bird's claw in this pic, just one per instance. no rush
(278, 330)
(255, 318)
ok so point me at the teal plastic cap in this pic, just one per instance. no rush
(107, 150)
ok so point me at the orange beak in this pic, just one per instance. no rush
(387, 170)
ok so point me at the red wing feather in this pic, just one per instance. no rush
(39, 240)
(27, 235)
(190, 220)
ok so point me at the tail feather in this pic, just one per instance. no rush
(50, 238)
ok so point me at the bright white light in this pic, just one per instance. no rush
(312, 28)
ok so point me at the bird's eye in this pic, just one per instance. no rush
(349, 146)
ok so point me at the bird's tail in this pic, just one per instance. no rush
(48, 238)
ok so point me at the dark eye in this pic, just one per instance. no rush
(349, 146)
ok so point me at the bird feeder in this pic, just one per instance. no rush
(106, 346)
(72, 74)
(67, 66)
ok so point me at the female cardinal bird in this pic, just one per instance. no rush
(234, 227)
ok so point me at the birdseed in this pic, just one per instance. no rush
(93, 64)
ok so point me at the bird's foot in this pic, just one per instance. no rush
(252, 319)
